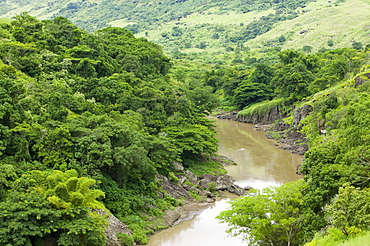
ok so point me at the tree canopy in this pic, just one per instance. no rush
(101, 104)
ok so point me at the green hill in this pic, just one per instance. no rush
(116, 109)
(258, 26)
(342, 23)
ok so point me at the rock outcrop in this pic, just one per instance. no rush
(220, 183)
(229, 116)
(223, 160)
(291, 137)
(263, 119)
(301, 113)
(173, 189)
(115, 226)
(207, 186)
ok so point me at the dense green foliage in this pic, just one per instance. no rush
(335, 87)
(108, 105)
(295, 76)
(99, 103)
(269, 217)
(55, 205)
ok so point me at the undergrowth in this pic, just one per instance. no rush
(208, 167)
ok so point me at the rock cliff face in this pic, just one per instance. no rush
(115, 226)
(293, 139)
(268, 118)
(300, 113)
(290, 136)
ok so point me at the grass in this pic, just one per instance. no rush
(320, 21)
(226, 19)
(317, 23)
(359, 240)
(343, 23)
(5, 20)
(208, 167)
(121, 23)
(261, 108)
(335, 237)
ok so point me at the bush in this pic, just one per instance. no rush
(126, 239)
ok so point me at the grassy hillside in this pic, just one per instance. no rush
(342, 23)
(5, 20)
(319, 25)
(216, 28)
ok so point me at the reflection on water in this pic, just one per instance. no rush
(260, 164)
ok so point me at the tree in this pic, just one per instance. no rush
(268, 217)
(292, 81)
(307, 48)
(201, 45)
(55, 205)
(7, 176)
(248, 93)
(203, 98)
(350, 208)
(282, 39)
(192, 140)
(357, 45)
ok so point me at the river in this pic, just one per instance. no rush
(260, 164)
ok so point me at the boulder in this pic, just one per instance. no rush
(171, 216)
(191, 188)
(115, 226)
(223, 160)
(173, 189)
(177, 166)
(207, 193)
(191, 177)
(181, 178)
(223, 182)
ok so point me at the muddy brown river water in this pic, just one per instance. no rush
(260, 164)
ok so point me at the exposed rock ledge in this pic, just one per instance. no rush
(290, 136)
(207, 186)
(115, 226)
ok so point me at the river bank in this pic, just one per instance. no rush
(260, 164)
(287, 136)
(197, 192)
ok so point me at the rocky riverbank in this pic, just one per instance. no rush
(288, 136)
(198, 193)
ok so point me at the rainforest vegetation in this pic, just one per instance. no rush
(88, 120)
(334, 85)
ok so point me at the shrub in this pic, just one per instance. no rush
(126, 239)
